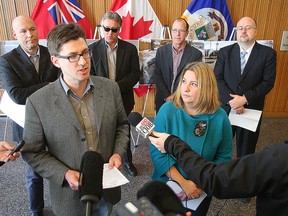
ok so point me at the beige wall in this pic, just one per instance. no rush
(270, 15)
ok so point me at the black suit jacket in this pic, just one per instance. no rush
(164, 70)
(256, 81)
(263, 174)
(127, 68)
(21, 79)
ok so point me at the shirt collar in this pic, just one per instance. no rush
(108, 47)
(248, 50)
(38, 53)
(66, 88)
(180, 49)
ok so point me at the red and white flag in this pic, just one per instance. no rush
(138, 19)
(49, 13)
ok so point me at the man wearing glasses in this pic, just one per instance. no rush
(245, 73)
(75, 114)
(117, 60)
(170, 61)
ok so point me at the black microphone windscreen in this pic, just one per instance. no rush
(134, 118)
(162, 196)
(91, 176)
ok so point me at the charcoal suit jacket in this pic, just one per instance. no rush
(20, 78)
(256, 81)
(127, 68)
(164, 70)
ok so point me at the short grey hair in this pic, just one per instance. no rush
(114, 16)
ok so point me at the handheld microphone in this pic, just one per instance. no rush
(163, 197)
(91, 177)
(16, 149)
(142, 125)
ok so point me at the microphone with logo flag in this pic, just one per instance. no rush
(91, 177)
(143, 125)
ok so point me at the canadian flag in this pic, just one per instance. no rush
(138, 19)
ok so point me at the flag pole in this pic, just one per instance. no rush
(163, 32)
(97, 32)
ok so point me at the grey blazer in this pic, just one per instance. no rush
(55, 141)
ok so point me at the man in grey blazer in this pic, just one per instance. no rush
(117, 60)
(74, 114)
(22, 76)
(170, 61)
(246, 87)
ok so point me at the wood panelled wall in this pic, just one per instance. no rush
(271, 17)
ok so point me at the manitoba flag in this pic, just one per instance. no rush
(209, 20)
(49, 13)
(138, 19)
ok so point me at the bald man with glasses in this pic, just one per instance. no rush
(245, 73)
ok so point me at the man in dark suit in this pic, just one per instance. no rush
(244, 82)
(170, 61)
(24, 70)
(74, 114)
(117, 60)
(263, 174)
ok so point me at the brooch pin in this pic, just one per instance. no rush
(200, 128)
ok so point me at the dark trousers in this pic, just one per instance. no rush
(203, 207)
(34, 182)
(128, 155)
(17, 132)
(246, 140)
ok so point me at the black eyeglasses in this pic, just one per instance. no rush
(110, 29)
(76, 57)
(200, 128)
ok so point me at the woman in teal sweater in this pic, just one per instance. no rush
(195, 116)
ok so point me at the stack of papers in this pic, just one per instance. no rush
(113, 177)
(248, 120)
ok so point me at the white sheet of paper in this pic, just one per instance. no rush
(14, 111)
(248, 120)
(192, 203)
(113, 177)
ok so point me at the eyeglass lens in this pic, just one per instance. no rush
(110, 29)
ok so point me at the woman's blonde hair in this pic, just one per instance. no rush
(208, 95)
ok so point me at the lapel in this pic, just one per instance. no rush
(99, 101)
(234, 55)
(185, 58)
(120, 55)
(26, 63)
(103, 56)
(62, 102)
(252, 58)
(168, 50)
(42, 61)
